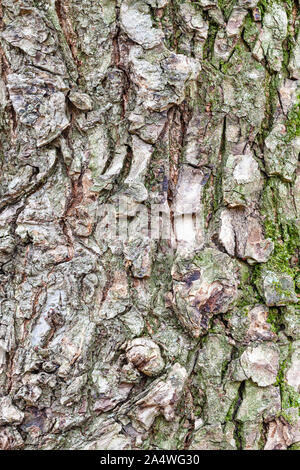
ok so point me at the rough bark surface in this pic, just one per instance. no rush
(132, 342)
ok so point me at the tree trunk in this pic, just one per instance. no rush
(149, 224)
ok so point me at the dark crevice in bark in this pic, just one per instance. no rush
(29, 190)
(237, 430)
(218, 197)
(63, 15)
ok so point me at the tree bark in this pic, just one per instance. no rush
(149, 224)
